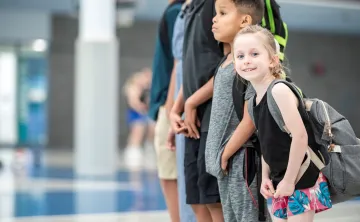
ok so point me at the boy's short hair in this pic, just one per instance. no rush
(254, 8)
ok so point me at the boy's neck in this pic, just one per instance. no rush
(227, 48)
(228, 60)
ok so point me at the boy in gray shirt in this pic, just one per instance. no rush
(238, 203)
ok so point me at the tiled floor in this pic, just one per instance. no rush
(54, 194)
(337, 214)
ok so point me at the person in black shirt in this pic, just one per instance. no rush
(201, 56)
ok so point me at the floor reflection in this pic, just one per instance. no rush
(55, 193)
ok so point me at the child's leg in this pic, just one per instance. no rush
(133, 155)
(150, 131)
(304, 217)
(136, 135)
(186, 213)
(243, 198)
(208, 184)
(216, 212)
(166, 165)
(276, 219)
(169, 189)
(202, 213)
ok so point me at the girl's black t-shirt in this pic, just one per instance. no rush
(275, 147)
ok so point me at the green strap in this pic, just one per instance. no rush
(286, 32)
(271, 16)
(263, 22)
(281, 56)
(280, 40)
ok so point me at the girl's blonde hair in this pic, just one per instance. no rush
(271, 45)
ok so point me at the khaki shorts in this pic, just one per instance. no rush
(166, 159)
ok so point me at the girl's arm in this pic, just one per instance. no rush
(242, 133)
(288, 105)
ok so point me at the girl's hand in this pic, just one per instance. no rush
(284, 189)
(267, 188)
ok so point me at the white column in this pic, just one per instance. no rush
(8, 82)
(97, 20)
(96, 89)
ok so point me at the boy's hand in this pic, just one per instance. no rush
(191, 121)
(177, 124)
(224, 163)
(171, 140)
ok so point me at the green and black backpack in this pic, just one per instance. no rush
(272, 21)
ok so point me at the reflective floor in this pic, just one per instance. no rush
(51, 192)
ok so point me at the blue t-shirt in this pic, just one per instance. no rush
(177, 47)
(162, 64)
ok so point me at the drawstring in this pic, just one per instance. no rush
(246, 179)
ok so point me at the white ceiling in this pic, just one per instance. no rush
(329, 16)
(337, 16)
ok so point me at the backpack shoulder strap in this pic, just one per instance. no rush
(251, 108)
(273, 107)
(238, 96)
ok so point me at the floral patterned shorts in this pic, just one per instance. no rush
(316, 198)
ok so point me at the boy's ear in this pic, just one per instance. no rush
(245, 21)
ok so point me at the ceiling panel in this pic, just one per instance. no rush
(337, 16)
(324, 16)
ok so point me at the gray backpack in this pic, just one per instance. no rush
(338, 156)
